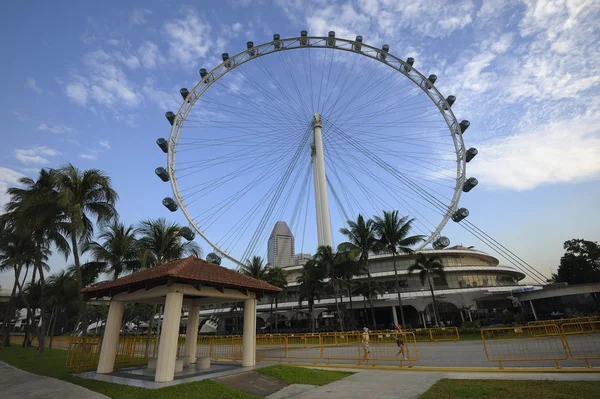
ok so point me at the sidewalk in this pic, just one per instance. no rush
(408, 385)
(15, 383)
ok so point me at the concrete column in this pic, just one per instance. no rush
(462, 317)
(533, 310)
(191, 333)
(167, 349)
(249, 340)
(110, 341)
(422, 317)
(395, 316)
(470, 316)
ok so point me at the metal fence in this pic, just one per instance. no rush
(582, 340)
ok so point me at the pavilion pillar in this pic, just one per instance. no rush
(191, 333)
(249, 339)
(167, 349)
(110, 341)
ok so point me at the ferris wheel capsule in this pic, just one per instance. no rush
(304, 38)
(170, 204)
(357, 46)
(450, 100)
(162, 174)
(471, 153)
(187, 233)
(382, 54)
(331, 39)
(441, 242)
(170, 117)
(460, 214)
(470, 184)
(464, 125)
(164, 146)
(409, 63)
(277, 41)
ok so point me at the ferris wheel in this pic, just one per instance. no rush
(334, 128)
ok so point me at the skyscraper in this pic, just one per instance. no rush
(281, 245)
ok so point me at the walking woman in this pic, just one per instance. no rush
(400, 342)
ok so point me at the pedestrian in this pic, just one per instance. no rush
(365, 343)
(400, 342)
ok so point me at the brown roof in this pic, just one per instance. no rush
(189, 270)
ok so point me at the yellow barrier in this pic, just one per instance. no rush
(83, 352)
(583, 340)
(444, 334)
(559, 322)
(524, 344)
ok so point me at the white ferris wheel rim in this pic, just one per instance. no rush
(295, 43)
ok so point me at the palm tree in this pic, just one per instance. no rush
(160, 242)
(329, 261)
(392, 232)
(369, 291)
(276, 276)
(311, 286)
(62, 290)
(84, 194)
(119, 253)
(361, 236)
(35, 210)
(348, 265)
(428, 265)
(254, 268)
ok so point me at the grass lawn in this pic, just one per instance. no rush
(505, 389)
(52, 364)
(300, 375)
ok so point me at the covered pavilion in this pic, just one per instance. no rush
(189, 282)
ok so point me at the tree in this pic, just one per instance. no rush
(161, 242)
(311, 286)
(369, 291)
(84, 195)
(276, 276)
(428, 266)
(329, 261)
(348, 266)
(392, 232)
(36, 210)
(254, 268)
(580, 263)
(120, 252)
(361, 236)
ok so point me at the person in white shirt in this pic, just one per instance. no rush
(365, 343)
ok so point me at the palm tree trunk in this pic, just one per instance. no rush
(79, 278)
(312, 319)
(337, 306)
(26, 339)
(398, 290)
(41, 329)
(435, 313)
(371, 295)
(276, 311)
(365, 311)
(10, 308)
(271, 313)
(352, 323)
(52, 326)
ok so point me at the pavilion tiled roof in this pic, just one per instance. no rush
(189, 270)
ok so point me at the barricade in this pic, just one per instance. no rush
(524, 344)
(83, 352)
(582, 340)
(559, 322)
(439, 334)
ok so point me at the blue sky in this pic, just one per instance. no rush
(89, 83)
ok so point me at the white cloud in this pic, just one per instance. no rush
(105, 144)
(32, 84)
(55, 128)
(149, 55)
(503, 43)
(188, 36)
(87, 156)
(139, 15)
(19, 115)
(36, 155)
(561, 152)
(8, 178)
(106, 83)
(77, 91)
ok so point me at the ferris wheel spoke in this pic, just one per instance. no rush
(287, 67)
(402, 200)
(369, 194)
(401, 176)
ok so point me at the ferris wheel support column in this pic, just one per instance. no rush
(321, 202)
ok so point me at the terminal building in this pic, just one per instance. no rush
(475, 284)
